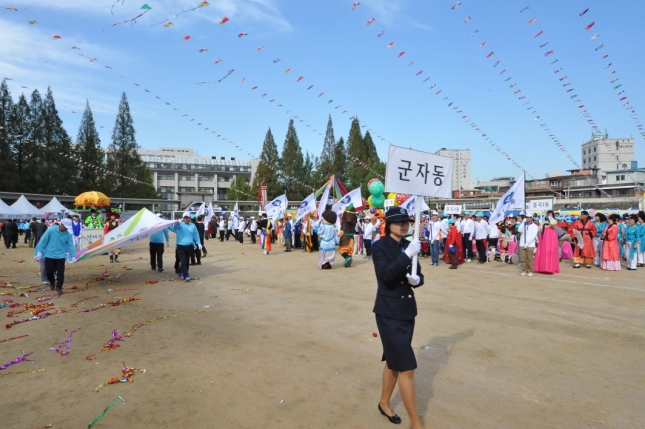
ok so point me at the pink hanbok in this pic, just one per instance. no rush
(610, 249)
(547, 260)
(567, 250)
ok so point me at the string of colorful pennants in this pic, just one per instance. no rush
(448, 102)
(522, 97)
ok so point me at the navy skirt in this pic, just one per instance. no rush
(396, 337)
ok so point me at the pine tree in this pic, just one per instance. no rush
(268, 167)
(356, 149)
(20, 123)
(328, 155)
(309, 174)
(124, 160)
(239, 190)
(7, 157)
(57, 172)
(340, 161)
(88, 149)
(29, 149)
(292, 165)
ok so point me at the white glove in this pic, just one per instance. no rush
(167, 244)
(413, 249)
(199, 246)
(73, 260)
(413, 280)
(38, 257)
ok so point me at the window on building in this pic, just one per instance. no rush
(586, 195)
(594, 149)
(622, 177)
(584, 152)
(165, 177)
(186, 189)
(594, 158)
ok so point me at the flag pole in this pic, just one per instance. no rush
(417, 227)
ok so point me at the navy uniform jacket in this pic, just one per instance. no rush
(395, 296)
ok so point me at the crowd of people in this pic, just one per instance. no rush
(525, 240)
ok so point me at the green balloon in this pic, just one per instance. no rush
(378, 200)
(376, 188)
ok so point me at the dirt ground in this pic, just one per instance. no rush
(281, 344)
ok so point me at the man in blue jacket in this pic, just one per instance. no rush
(156, 248)
(287, 234)
(187, 239)
(55, 246)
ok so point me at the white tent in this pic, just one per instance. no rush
(54, 206)
(24, 207)
(7, 212)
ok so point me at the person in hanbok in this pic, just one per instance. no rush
(329, 239)
(583, 231)
(622, 224)
(610, 247)
(601, 224)
(454, 252)
(632, 240)
(641, 228)
(265, 226)
(547, 260)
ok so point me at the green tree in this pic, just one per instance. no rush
(340, 161)
(57, 172)
(239, 190)
(23, 150)
(292, 172)
(363, 159)
(328, 155)
(7, 159)
(268, 167)
(88, 149)
(310, 174)
(124, 162)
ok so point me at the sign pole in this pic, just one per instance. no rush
(417, 228)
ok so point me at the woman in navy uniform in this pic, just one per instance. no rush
(395, 310)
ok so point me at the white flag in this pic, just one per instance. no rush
(512, 199)
(324, 199)
(354, 197)
(307, 206)
(235, 212)
(201, 209)
(209, 213)
(276, 206)
(411, 204)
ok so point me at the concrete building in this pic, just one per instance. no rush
(494, 185)
(178, 173)
(607, 154)
(461, 170)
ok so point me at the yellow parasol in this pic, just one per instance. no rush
(92, 199)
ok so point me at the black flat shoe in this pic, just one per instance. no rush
(393, 419)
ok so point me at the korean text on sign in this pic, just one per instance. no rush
(418, 173)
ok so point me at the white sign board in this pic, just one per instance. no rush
(539, 205)
(388, 203)
(452, 209)
(418, 173)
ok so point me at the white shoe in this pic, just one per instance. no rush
(530, 274)
(523, 274)
(468, 260)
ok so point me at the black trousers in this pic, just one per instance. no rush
(27, 236)
(492, 242)
(221, 235)
(297, 243)
(468, 246)
(10, 240)
(368, 247)
(287, 242)
(156, 255)
(228, 233)
(481, 250)
(56, 266)
(184, 253)
(314, 242)
(240, 236)
(253, 235)
(196, 255)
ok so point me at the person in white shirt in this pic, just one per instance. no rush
(528, 239)
(445, 227)
(240, 231)
(493, 236)
(481, 234)
(376, 232)
(467, 230)
(253, 227)
(221, 226)
(434, 227)
(236, 227)
(368, 229)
